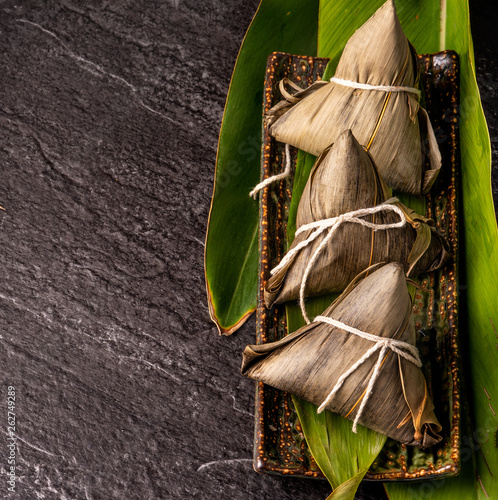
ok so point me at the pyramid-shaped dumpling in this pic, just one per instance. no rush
(310, 362)
(344, 179)
(390, 125)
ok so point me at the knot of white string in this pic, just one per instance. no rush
(382, 88)
(401, 348)
(318, 227)
(273, 178)
(345, 83)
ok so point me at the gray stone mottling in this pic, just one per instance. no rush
(109, 117)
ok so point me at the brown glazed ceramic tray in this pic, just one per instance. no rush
(280, 447)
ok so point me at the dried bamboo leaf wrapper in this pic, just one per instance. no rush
(309, 362)
(388, 124)
(344, 179)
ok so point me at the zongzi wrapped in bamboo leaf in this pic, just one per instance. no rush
(344, 180)
(358, 359)
(373, 93)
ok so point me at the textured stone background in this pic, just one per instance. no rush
(109, 117)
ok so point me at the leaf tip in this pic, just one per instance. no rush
(225, 330)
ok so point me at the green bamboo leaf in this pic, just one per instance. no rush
(347, 490)
(231, 255)
(481, 252)
(304, 164)
(341, 454)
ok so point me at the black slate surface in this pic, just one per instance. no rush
(109, 117)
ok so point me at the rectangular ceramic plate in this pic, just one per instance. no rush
(280, 447)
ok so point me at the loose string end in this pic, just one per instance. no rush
(254, 193)
(270, 180)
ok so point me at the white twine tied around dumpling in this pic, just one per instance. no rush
(411, 91)
(401, 348)
(381, 88)
(333, 224)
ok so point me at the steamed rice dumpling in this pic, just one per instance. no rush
(372, 93)
(369, 379)
(344, 179)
